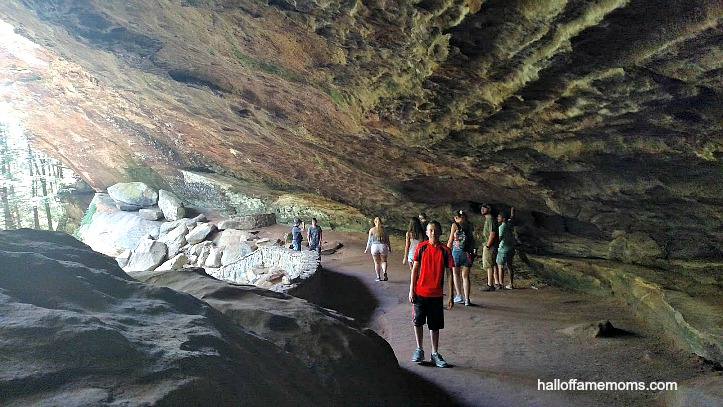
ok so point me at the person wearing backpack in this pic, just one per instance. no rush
(461, 241)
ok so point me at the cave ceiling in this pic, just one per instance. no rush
(608, 112)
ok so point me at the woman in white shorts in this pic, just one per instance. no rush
(380, 247)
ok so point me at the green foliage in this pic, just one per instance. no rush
(338, 97)
(87, 218)
(268, 67)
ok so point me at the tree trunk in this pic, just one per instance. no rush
(44, 186)
(33, 189)
(9, 224)
(14, 207)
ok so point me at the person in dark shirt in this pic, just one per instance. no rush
(296, 234)
(424, 221)
(314, 236)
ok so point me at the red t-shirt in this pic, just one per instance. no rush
(432, 262)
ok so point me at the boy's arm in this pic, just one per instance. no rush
(450, 289)
(413, 281)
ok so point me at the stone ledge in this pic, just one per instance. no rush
(297, 266)
(697, 325)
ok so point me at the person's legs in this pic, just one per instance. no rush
(499, 261)
(435, 339)
(377, 264)
(498, 275)
(383, 261)
(465, 284)
(419, 336)
(488, 263)
(457, 284)
(435, 319)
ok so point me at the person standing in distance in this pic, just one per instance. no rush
(314, 237)
(489, 238)
(461, 241)
(380, 247)
(415, 235)
(506, 250)
(432, 261)
(424, 221)
(296, 234)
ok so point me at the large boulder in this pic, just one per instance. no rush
(133, 193)
(148, 255)
(171, 205)
(175, 239)
(111, 231)
(333, 346)
(78, 331)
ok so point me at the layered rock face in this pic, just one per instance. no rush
(599, 121)
(77, 330)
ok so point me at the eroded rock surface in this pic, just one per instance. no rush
(77, 330)
(590, 117)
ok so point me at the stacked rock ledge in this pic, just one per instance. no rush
(228, 250)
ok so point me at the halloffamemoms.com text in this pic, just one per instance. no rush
(573, 384)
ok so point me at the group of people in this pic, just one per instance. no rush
(314, 235)
(430, 260)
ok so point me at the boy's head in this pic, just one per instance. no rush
(434, 229)
(313, 221)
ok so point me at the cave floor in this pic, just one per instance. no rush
(503, 346)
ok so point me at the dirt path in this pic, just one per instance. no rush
(501, 347)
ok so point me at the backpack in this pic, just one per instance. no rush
(464, 238)
(459, 241)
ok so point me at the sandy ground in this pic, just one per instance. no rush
(503, 346)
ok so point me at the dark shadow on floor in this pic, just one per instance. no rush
(351, 297)
(425, 393)
(346, 294)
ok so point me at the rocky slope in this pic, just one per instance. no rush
(589, 117)
(77, 330)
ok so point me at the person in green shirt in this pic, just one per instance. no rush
(505, 250)
(489, 238)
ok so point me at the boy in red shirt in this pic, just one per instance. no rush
(431, 262)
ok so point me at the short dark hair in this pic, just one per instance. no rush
(422, 215)
(435, 224)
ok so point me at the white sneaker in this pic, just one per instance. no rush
(458, 299)
(508, 287)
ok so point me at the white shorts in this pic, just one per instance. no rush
(380, 248)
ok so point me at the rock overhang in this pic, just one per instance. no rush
(606, 115)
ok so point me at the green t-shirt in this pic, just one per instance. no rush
(489, 227)
(507, 238)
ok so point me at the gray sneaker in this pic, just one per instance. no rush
(418, 355)
(486, 288)
(438, 360)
